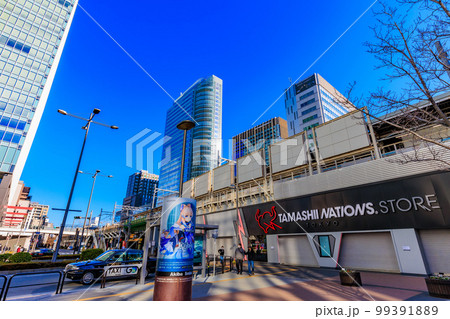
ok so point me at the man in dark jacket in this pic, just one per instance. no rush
(239, 257)
(221, 253)
(251, 257)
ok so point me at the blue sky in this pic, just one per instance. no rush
(255, 47)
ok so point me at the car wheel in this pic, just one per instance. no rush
(88, 278)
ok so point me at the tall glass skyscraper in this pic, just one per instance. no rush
(32, 37)
(203, 102)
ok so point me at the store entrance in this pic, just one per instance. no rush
(259, 245)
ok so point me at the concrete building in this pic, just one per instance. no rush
(258, 137)
(361, 206)
(311, 102)
(140, 189)
(32, 38)
(202, 103)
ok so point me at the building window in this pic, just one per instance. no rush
(310, 118)
(308, 102)
(309, 110)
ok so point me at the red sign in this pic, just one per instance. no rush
(266, 220)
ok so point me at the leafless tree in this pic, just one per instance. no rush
(408, 40)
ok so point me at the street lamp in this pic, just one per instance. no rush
(86, 128)
(185, 126)
(94, 176)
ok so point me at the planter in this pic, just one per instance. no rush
(438, 287)
(346, 280)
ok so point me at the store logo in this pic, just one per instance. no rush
(265, 220)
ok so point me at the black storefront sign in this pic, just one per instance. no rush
(421, 202)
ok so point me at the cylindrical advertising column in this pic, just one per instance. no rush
(173, 280)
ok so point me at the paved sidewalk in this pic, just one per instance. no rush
(273, 282)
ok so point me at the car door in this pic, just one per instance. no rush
(134, 258)
(118, 259)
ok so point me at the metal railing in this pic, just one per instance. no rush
(58, 286)
(105, 272)
(5, 279)
(226, 259)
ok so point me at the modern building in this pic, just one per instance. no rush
(312, 102)
(202, 103)
(141, 189)
(38, 216)
(258, 137)
(32, 38)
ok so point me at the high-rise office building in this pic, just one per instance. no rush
(311, 102)
(141, 188)
(201, 102)
(32, 37)
(260, 136)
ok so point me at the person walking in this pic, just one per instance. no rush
(251, 257)
(239, 257)
(221, 253)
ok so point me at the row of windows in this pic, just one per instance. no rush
(308, 102)
(332, 101)
(24, 113)
(311, 126)
(64, 3)
(309, 110)
(310, 118)
(301, 97)
(13, 123)
(15, 97)
(30, 11)
(337, 109)
(15, 44)
(10, 137)
(8, 155)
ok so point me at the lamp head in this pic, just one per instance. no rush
(114, 127)
(62, 112)
(185, 125)
(96, 111)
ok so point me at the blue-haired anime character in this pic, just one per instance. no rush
(185, 224)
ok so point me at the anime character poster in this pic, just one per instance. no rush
(176, 246)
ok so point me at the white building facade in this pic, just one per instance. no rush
(32, 38)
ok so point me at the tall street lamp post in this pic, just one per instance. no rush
(94, 176)
(86, 128)
(185, 126)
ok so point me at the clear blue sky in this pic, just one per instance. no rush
(255, 47)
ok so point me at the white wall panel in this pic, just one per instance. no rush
(288, 153)
(250, 167)
(202, 184)
(223, 176)
(342, 135)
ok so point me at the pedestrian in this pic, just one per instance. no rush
(221, 253)
(18, 250)
(251, 257)
(239, 256)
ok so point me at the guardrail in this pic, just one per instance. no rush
(225, 259)
(58, 286)
(106, 270)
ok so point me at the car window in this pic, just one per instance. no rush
(134, 256)
(119, 256)
(105, 256)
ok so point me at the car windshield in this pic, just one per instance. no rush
(105, 255)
